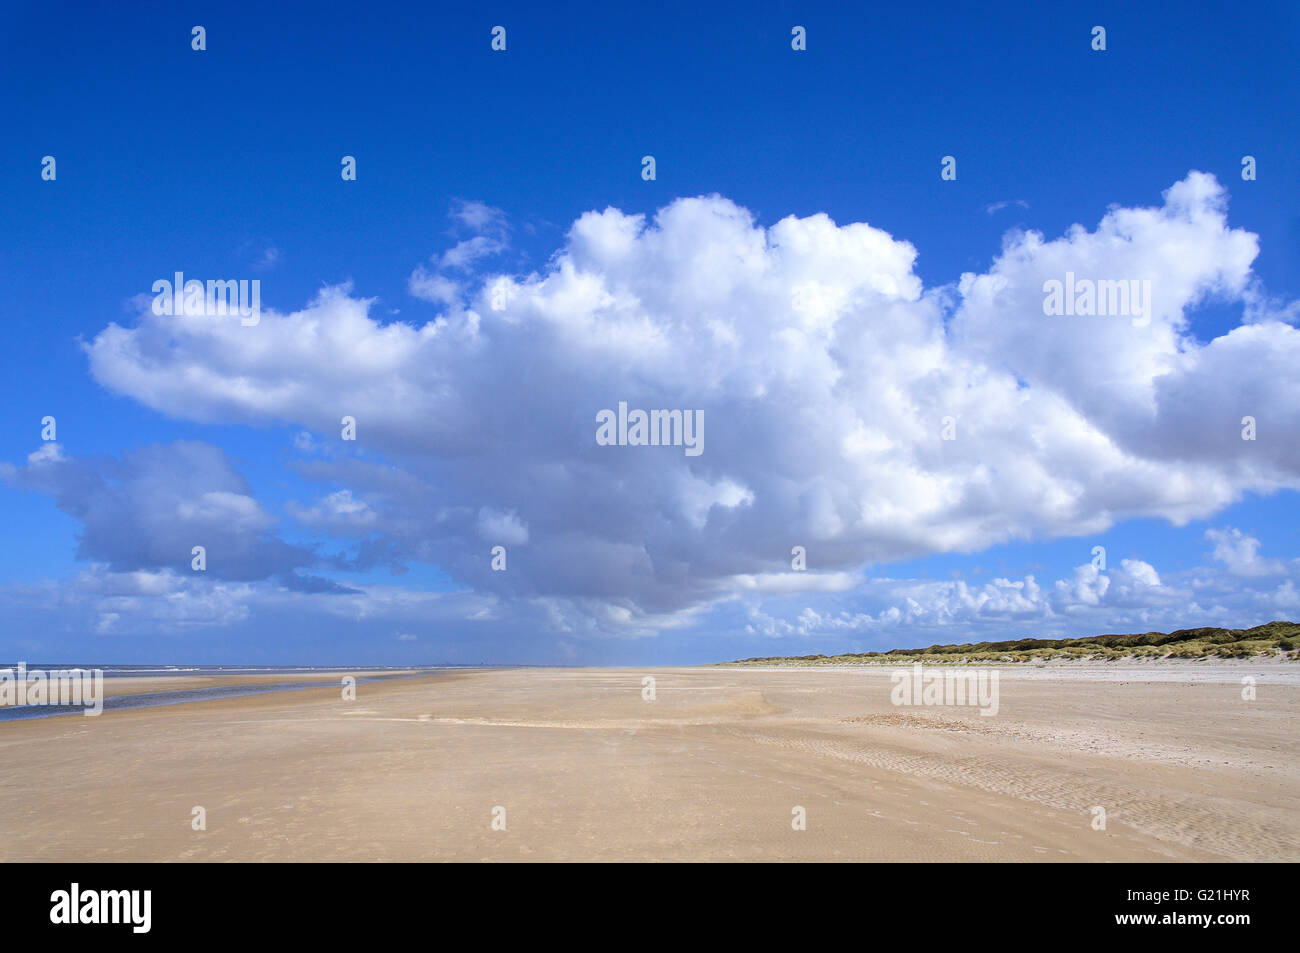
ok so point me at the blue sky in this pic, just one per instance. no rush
(225, 164)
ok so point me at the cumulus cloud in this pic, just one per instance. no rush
(1239, 553)
(147, 510)
(169, 602)
(1133, 597)
(825, 370)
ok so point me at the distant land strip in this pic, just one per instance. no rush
(1277, 639)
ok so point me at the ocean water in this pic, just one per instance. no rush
(140, 671)
(181, 696)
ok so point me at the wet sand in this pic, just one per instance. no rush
(713, 769)
(142, 684)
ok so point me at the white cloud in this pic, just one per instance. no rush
(464, 253)
(1240, 553)
(1132, 598)
(503, 528)
(824, 410)
(478, 217)
(49, 452)
(148, 509)
(337, 512)
(999, 206)
(490, 236)
(434, 287)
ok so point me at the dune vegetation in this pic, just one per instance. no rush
(1277, 639)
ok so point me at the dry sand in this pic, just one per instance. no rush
(710, 770)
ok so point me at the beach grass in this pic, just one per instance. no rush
(1276, 639)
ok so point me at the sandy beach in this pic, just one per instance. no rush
(714, 768)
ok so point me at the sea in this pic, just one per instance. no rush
(181, 696)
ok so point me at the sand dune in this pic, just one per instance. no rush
(712, 769)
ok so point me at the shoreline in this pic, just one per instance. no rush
(132, 692)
